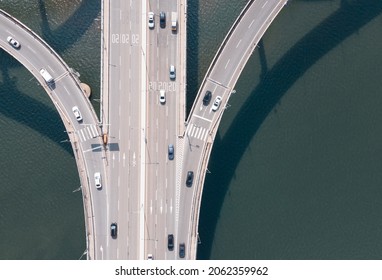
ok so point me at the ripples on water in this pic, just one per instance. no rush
(295, 166)
(41, 217)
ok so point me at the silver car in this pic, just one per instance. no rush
(172, 72)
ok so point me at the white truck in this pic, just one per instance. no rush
(174, 21)
(47, 77)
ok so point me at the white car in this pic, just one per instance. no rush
(172, 72)
(150, 257)
(13, 42)
(162, 96)
(216, 104)
(97, 180)
(77, 113)
(151, 20)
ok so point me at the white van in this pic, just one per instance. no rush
(47, 77)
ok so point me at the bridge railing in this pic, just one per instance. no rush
(88, 209)
(231, 30)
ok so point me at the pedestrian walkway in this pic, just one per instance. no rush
(197, 132)
(88, 132)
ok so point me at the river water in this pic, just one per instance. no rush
(296, 165)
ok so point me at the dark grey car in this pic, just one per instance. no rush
(207, 98)
(190, 178)
(171, 152)
(114, 230)
(170, 242)
(162, 19)
(182, 250)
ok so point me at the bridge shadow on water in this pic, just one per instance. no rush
(24, 109)
(18, 105)
(73, 28)
(348, 19)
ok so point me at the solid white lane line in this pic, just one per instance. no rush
(200, 117)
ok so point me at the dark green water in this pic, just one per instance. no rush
(296, 166)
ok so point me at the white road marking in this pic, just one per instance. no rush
(113, 159)
(124, 159)
(238, 43)
(192, 131)
(200, 117)
(156, 147)
(89, 132)
(171, 205)
(251, 24)
(94, 131)
(202, 135)
(151, 206)
(161, 206)
(166, 111)
(227, 64)
(166, 134)
(200, 132)
(264, 4)
(66, 90)
(205, 136)
(31, 49)
(134, 161)
(83, 135)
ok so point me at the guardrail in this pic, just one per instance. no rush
(86, 193)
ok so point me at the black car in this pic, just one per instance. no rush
(171, 152)
(190, 178)
(170, 242)
(207, 98)
(162, 19)
(113, 230)
(182, 250)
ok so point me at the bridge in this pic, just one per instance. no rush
(143, 190)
